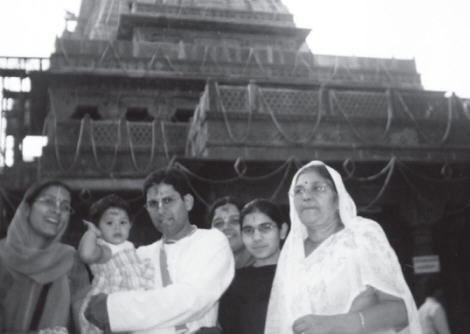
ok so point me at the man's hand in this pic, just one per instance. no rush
(97, 311)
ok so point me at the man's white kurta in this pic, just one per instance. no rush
(201, 267)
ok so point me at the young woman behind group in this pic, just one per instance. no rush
(243, 306)
(224, 215)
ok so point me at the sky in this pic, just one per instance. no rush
(436, 33)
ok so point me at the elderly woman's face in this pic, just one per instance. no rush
(315, 200)
(50, 211)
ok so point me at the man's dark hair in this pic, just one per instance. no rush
(171, 176)
(110, 201)
(221, 202)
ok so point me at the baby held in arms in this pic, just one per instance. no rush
(112, 259)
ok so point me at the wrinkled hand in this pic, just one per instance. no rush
(314, 324)
(97, 311)
(92, 228)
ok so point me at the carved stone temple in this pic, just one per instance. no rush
(229, 91)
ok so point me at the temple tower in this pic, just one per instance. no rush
(229, 91)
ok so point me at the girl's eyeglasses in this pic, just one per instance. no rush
(262, 228)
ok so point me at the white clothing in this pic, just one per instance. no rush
(124, 271)
(427, 316)
(328, 280)
(125, 245)
(201, 267)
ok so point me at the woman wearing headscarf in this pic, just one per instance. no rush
(41, 279)
(337, 273)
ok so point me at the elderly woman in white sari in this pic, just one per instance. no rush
(337, 273)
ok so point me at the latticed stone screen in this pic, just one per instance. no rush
(279, 101)
(106, 133)
(141, 134)
(361, 104)
(287, 101)
(422, 105)
(234, 99)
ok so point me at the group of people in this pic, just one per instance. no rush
(332, 272)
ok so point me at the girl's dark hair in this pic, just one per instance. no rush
(221, 202)
(35, 189)
(264, 206)
(323, 172)
(110, 201)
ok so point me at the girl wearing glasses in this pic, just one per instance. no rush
(243, 306)
(111, 257)
(42, 281)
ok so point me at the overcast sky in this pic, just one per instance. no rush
(436, 33)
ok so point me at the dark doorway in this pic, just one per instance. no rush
(182, 115)
(82, 111)
(135, 114)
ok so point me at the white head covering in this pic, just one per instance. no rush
(378, 265)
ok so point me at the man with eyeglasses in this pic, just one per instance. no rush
(193, 267)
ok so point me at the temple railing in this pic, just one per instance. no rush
(378, 103)
(284, 19)
(110, 147)
(111, 133)
(70, 47)
(127, 58)
(271, 122)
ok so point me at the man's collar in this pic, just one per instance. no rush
(187, 233)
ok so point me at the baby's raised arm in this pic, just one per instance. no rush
(89, 249)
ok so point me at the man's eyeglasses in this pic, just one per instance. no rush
(262, 228)
(165, 202)
(52, 203)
